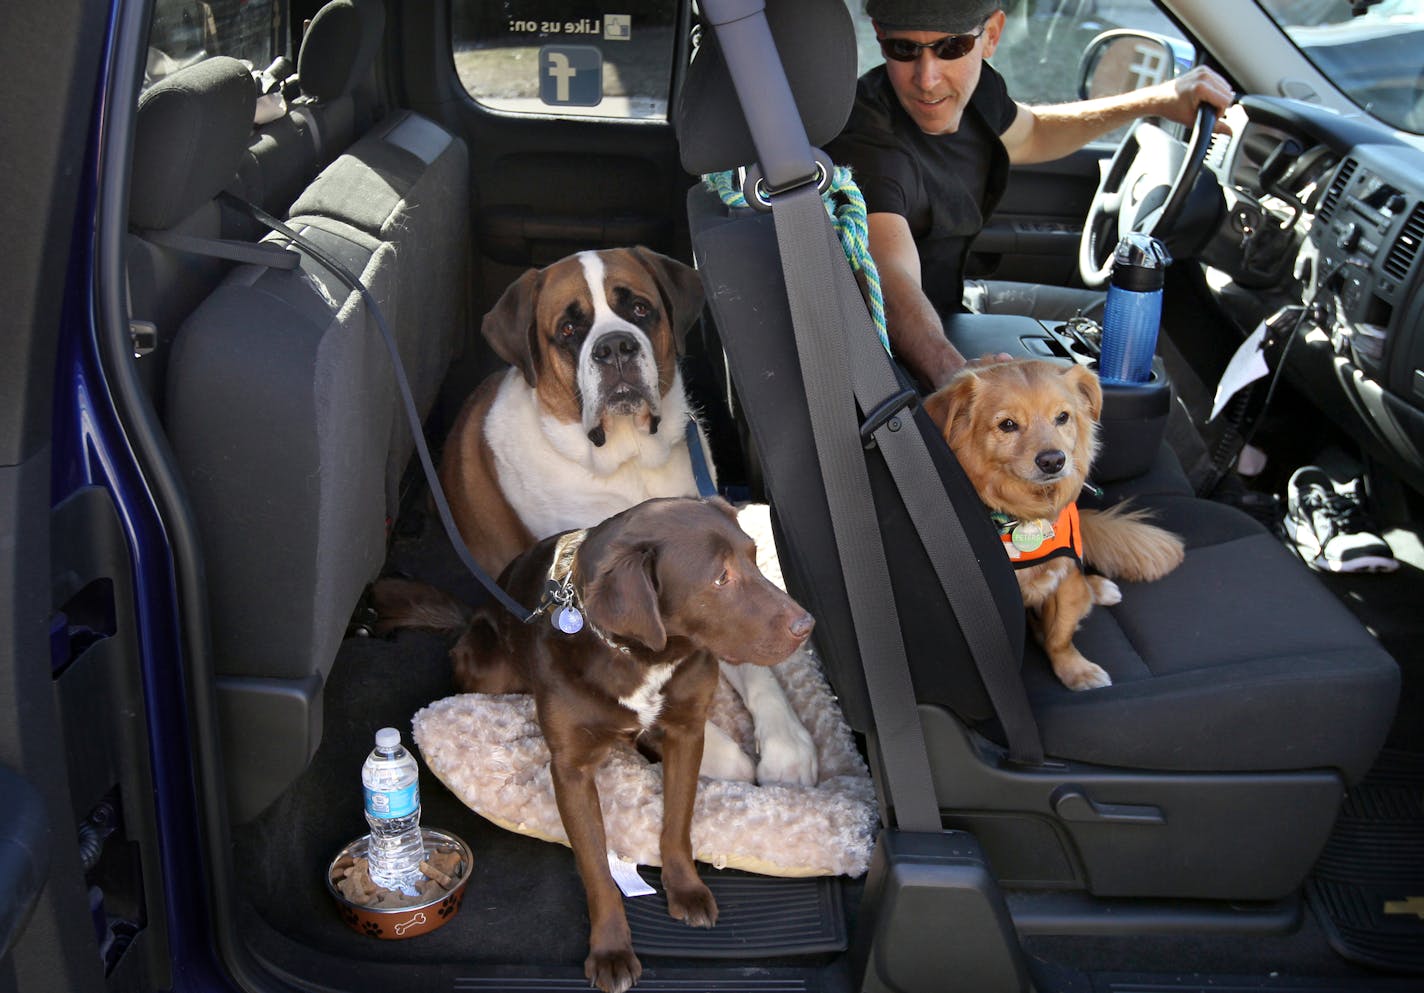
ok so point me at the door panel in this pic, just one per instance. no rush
(1033, 235)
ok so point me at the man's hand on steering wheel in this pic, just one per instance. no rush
(1177, 99)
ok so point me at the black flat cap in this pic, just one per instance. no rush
(949, 16)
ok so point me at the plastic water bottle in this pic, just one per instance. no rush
(391, 779)
(1133, 313)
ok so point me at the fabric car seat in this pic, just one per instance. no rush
(278, 395)
(1245, 696)
(190, 133)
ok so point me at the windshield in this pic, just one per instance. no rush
(1376, 59)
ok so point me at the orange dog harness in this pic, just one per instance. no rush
(1031, 542)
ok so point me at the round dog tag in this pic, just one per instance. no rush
(568, 620)
(1027, 536)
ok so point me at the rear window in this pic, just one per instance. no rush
(568, 58)
(182, 32)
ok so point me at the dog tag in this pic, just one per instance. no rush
(1027, 536)
(567, 619)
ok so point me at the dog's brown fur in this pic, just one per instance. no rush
(1001, 420)
(669, 581)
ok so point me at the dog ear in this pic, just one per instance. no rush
(681, 289)
(509, 325)
(623, 600)
(723, 506)
(1084, 382)
(950, 402)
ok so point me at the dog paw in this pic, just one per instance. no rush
(612, 971)
(1106, 593)
(694, 905)
(723, 758)
(1085, 676)
(787, 754)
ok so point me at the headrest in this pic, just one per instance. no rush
(340, 44)
(189, 138)
(816, 41)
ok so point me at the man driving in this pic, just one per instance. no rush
(931, 138)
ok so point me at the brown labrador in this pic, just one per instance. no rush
(665, 589)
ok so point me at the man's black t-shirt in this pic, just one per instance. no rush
(945, 186)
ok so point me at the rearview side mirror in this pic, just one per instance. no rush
(1121, 61)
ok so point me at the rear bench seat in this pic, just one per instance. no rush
(281, 407)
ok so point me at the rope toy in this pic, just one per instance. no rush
(848, 215)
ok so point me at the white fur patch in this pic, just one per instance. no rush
(605, 321)
(555, 479)
(647, 700)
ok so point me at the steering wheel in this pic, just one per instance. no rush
(1144, 189)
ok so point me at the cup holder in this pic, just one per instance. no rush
(1132, 425)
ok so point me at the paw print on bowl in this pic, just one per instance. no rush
(371, 928)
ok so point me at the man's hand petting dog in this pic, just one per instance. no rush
(666, 589)
(590, 419)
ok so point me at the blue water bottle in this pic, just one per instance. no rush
(1134, 309)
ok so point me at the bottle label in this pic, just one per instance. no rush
(393, 803)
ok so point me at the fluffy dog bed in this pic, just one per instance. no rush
(490, 753)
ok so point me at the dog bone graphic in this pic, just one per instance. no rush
(419, 918)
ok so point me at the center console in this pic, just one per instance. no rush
(1134, 416)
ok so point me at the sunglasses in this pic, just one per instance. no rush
(946, 49)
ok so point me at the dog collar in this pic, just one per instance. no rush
(561, 597)
(1031, 541)
(560, 600)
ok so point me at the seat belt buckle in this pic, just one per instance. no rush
(887, 414)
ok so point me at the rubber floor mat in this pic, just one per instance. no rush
(757, 917)
(1367, 889)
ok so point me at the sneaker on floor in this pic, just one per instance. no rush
(1330, 526)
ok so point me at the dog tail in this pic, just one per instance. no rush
(404, 603)
(1120, 543)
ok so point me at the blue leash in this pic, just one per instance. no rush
(700, 470)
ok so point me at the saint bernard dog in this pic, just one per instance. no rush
(588, 421)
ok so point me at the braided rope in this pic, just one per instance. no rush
(848, 215)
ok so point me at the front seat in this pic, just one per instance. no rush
(1245, 697)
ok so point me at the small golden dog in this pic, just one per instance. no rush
(1026, 432)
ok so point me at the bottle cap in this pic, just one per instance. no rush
(1139, 262)
(387, 738)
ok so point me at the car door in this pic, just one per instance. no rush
(80, 891)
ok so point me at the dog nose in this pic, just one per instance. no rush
(801, 626)
(615, 347)
(1050, 461)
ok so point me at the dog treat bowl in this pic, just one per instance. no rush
(420, 915)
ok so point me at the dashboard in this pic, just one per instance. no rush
(1327, 211)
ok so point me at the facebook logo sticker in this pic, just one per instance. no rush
(571, 75)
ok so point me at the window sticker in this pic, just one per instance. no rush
(571, 75)
(567, 57)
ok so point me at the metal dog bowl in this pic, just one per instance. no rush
(399, 923)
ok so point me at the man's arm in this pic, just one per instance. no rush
(916, 331)
(1041, 134)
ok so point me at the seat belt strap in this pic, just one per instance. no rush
(261, 253)
(832, 324)
(810, 285)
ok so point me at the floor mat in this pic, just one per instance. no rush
(756, 917)
(1367, 889)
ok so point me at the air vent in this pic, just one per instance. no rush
(1337, 186)
(1406, 246)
